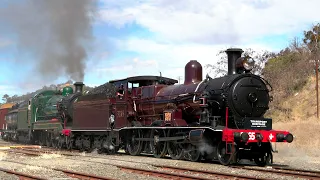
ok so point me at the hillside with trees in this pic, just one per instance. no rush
(292, 68)
(292, 73)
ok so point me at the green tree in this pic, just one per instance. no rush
(5, 97)
(311, 38)
(221, 67)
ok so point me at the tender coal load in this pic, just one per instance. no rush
(106, 90)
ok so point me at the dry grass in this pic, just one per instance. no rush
(306, 137)
(298, 115)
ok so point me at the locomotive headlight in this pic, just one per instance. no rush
(244, 64)
(248, 63)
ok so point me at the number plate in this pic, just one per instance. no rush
(167, 116)
(258, 123)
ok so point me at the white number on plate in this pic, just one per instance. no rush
(252, 135)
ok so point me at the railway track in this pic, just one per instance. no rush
(69, 173)
(168, 172)
(22, 176)
(307, 174)
(300, 173)
(285, 171)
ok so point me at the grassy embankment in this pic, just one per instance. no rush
(292, 75)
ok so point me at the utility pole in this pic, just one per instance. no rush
(317, 66)
(179, 78)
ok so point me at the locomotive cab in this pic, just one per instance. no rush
(131, 87)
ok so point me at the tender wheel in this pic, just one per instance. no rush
(61, 142)
(42, 138)
(192, 154)
(87, 144)
(48, 140)
(223, 157)
(159, 148)
(55, 143)
(174, 148)
(69, 142)
(79, 143)
(134, 146)
(264, 159)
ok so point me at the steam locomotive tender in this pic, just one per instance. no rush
(37, 121)
(213, 119)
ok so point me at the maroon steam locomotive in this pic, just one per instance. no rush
(214, 119)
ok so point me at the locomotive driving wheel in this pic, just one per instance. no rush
(225, 157)
(192, 153)
(174, 148)
(134, 146)
(159, 148)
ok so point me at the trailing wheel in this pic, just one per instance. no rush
(174, 148)
(134, 146)
(159, 148)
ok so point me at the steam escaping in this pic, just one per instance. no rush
(206, 148)
(54, 34)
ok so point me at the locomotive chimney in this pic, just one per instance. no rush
(233, 55)
(78, 86)
(193, 72)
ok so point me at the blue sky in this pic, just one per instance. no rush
(148, 36)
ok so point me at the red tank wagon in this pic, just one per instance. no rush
(3, 112)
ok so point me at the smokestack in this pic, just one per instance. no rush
(79, 87)
(233, 55)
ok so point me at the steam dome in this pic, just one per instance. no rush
(193, 72)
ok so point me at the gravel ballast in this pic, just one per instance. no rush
(105, 165)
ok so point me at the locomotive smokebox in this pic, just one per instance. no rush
(78, 86)
(193, 72)
(233, 55)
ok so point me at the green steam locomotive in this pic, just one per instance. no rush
(37, 120)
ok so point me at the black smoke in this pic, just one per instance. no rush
(55, 34)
